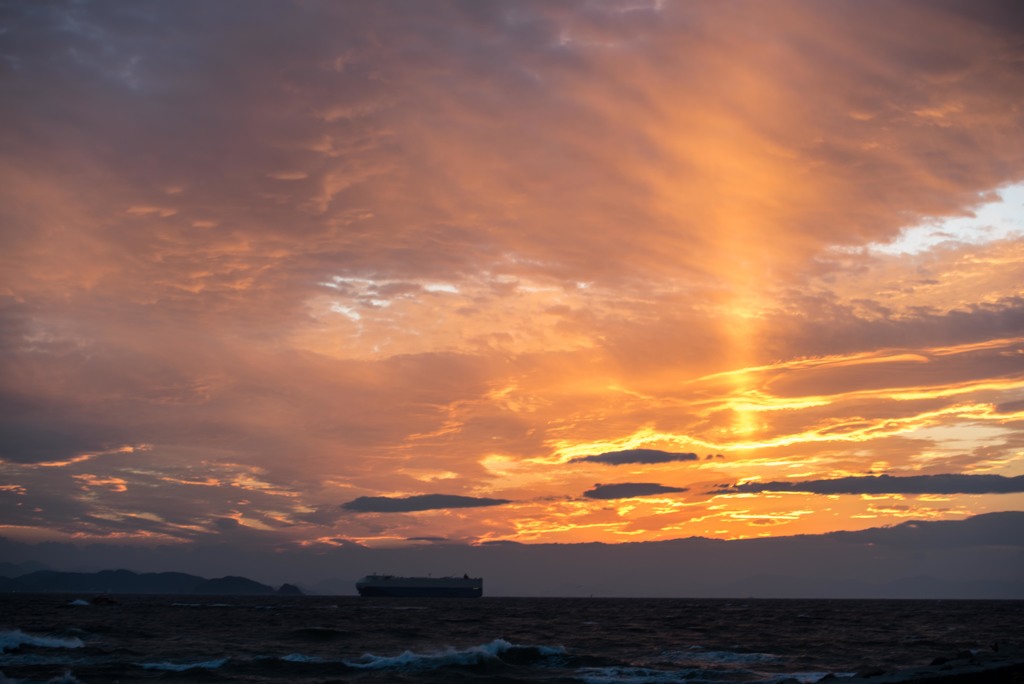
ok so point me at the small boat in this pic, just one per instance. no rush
(393, 585)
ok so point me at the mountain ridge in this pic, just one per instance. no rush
(979, 557)
(129, 582)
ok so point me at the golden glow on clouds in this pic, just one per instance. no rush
(402, 257)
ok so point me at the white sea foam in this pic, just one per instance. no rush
(469, 656)
(182, 667)
(13, 639)
(300, 658)
(79, 602)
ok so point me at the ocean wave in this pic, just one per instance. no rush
(300, 658)
(629, 675)
(319, 633)
(14, 639)
(35, 658)
(183, 667)
(66, 678)
(694, 664)
(717, 658)
(494, 651)
(810, 677)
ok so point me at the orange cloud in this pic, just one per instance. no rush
(467, 252)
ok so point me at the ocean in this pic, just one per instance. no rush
(68, 639)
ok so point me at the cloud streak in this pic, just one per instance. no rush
(891, 484)
(422, 502)
(629, 490)
(636, 456)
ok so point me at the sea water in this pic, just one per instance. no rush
(54, 638)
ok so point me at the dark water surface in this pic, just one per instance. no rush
(44, 638)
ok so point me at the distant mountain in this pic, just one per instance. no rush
(233, 585)
(18, 569)
(128, 582)
(981, 557)
(8, 585)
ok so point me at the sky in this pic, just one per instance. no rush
(299, 275)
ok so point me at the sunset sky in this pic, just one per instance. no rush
(287, 274)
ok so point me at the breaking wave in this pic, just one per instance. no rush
(498, 650)
(14, 639)
(300, 658)
(183, 667)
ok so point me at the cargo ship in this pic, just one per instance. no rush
(393, 585)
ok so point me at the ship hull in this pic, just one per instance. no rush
(415, 587)
(415, 592)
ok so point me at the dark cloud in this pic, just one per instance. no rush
(423, 502)
(891, 484)
(636, 456)
(21, 443)
(1011, 406)
(627, 490)
(851, 328)
(226, 523)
